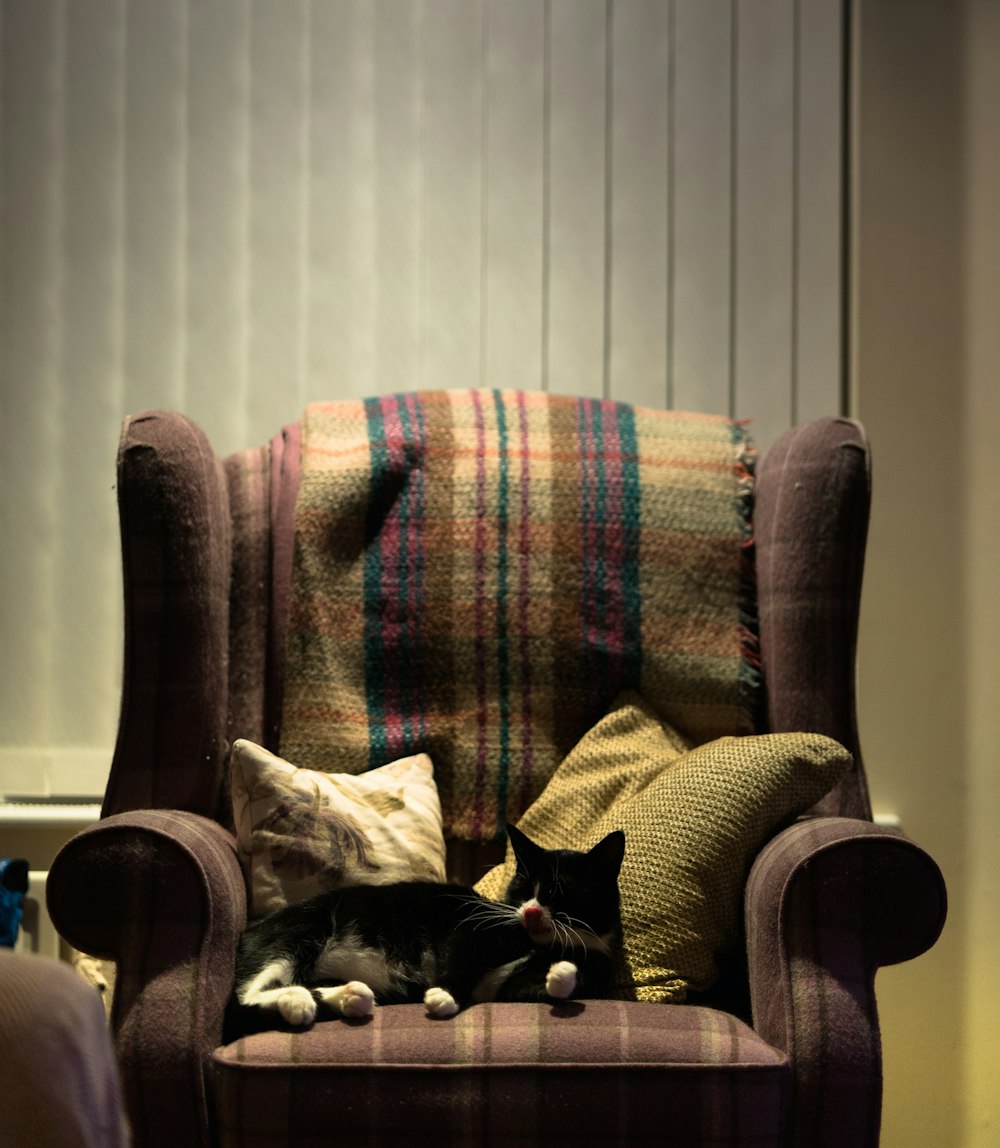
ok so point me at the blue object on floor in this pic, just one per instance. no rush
(13, 886)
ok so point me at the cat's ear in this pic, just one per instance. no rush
(609, 852)
(528, 854)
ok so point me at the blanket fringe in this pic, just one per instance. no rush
(751, 674)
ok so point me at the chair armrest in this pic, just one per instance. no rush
(828, 902)
(162, 893)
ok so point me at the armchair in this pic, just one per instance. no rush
(784, 1050)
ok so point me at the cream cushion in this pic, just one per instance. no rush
(300, 831)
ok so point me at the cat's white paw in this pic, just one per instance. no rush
(440, 1003)
(297, 1005)
(354, 999)
(357, 999)
(560, 981)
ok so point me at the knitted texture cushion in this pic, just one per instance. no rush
(299, 832)
(478, 573)
(694, 819)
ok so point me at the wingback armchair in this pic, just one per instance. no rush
(784, 1050)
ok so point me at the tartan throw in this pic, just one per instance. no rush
(477, 574)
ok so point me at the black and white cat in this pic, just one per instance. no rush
(552, 937)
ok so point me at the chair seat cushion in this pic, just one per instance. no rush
(595, 1071)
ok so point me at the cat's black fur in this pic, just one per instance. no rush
(340, 953)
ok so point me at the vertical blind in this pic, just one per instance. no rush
(234, 207)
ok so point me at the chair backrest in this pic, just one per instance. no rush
(209, 571)
(479, 573)
(263, 485)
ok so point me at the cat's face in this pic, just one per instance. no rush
(555, 890)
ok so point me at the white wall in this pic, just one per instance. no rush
(927, 247)
(981, 926)
(233, 208)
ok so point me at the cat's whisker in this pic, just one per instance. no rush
(561, 936)
(570, 937)
(488, 922)
(489, 916)
(495, 909)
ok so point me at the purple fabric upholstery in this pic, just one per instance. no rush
(811, 523)
(507, 1075)
(176, 548)
(162, 893)
(160, 889)
(248, 479)
(286, 471)
(829, 901)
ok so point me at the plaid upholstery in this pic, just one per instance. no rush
(161, 890)
(262, 485)
(840, 898)
(248, 478)
(162, 893)
(507, 1074)
(176, 554)
(468, 582)
(810, 522)
(286, 465)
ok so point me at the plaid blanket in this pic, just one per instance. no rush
(479, 573)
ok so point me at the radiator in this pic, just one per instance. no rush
(38, 934)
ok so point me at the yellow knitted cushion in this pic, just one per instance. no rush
(693, 819)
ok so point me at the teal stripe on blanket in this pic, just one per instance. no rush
(374, 649)
(631, 520)
(503, 635)
(610, 503)
(394, 576)
(406, 718)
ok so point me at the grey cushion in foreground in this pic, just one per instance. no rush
(59, 1077)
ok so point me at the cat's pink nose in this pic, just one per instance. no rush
(533, 918)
